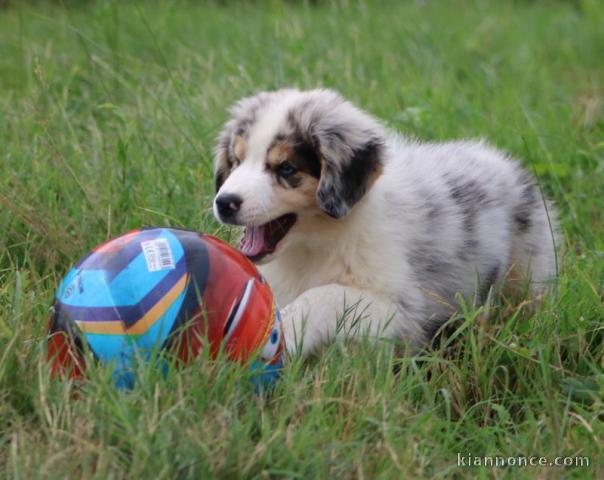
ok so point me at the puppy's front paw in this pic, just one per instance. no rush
(292, 340)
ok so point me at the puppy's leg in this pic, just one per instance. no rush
(334, 311)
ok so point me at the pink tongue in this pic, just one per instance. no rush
(252, 243)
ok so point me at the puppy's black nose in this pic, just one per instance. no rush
(228, 204)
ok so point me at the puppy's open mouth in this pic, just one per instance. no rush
(263, 239)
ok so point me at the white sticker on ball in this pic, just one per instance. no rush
(158, 255)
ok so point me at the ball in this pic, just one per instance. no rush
(164, 288)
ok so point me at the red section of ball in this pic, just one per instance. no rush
(66, 359)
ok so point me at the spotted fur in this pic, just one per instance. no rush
(389, 230)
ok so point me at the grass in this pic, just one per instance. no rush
(108, 111)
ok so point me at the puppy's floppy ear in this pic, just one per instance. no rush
(349, 144)
(346, 173)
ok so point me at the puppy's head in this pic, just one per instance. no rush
(287, 156)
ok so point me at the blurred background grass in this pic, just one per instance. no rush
(108, 113)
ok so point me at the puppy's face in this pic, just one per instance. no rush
(285, 158)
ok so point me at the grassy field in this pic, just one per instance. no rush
(108, 112)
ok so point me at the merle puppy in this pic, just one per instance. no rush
(361, 231)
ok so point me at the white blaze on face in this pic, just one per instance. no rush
(251, 181)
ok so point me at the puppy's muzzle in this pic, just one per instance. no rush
(227, 206)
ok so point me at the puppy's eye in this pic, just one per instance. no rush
(286, 169)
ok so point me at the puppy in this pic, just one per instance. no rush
(360, 231)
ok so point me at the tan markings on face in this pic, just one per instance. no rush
(279, 153)
(303, 196)
(298, 191)
(239, 149)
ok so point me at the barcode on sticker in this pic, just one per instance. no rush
(158, 255)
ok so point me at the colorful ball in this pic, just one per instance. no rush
(164, 288)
